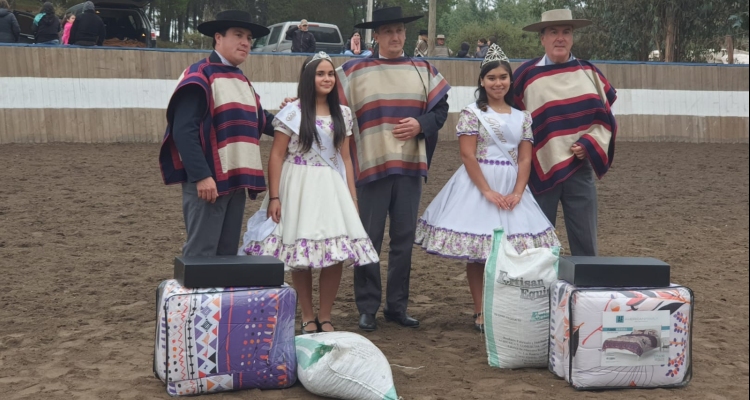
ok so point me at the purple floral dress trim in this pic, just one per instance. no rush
(304, 253)
(474, 247)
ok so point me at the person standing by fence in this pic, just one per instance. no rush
(10, 31)
(46, 26)
(302, 39)
(67, 24)
(88, 28)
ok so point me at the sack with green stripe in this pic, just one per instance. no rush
(343, 365)
(516, 303)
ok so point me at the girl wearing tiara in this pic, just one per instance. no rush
(489, 191)
(311, 194)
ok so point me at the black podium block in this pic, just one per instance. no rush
(228, 271)
(614, 271)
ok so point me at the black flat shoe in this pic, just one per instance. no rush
(478, 327)
(321, 323)
(402, 319)
(367, 322)
(303, 331)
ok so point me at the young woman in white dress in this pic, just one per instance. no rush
(489, 191)
(311, 194)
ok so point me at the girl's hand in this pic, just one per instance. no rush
(496, 199)
(513, 199)
(274, 210)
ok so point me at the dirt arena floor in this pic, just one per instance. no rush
(88, 231)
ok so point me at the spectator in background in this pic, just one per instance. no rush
(421, 49)
(10, 31)
(482, 47)
(303, 40)
(46, 26)
(441, 50)
(67, 24)
(354, 46)
(88, 28)
(464, 52)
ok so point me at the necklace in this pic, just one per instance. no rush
(501, 110)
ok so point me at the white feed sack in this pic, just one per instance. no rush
(516, 304)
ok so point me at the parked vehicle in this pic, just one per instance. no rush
(125, 20)
(25, 22)
(327, 38)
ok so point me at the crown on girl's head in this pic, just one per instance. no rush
(494, 53)
(321, 55)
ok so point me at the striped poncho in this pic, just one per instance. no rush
(381, 92)
(229, 132)
(567, 104)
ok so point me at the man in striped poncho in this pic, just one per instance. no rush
(574, 128)
(400, 104)
(210, 147)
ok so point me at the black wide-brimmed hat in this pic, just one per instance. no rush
(232, 19)
(385, 16)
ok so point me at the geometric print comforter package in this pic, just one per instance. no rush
(224, 339)
(605, 338)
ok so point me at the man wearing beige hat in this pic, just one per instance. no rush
(441, 50)
(303, 40)
(570, 101)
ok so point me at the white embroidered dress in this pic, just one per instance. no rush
(319, 225)
(459, 222)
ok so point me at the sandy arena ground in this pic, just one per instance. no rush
(88, 231)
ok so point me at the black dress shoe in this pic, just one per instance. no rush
(402, 319)
(367, 322)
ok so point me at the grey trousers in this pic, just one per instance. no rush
(212, 229)
(397, 196)
(578, 197)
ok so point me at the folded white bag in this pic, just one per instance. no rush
(343, 365)
(259, 226)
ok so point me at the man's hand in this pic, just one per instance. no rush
(406, 129)
(207, 189)
(286, 101)
(578, 151)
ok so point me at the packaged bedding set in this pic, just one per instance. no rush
(224, 339)
(604, 338)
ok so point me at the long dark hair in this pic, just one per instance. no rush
(481, 93)
(307, 96)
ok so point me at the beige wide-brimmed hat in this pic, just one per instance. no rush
(557, 17)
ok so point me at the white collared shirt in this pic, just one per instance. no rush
(225, 61)
(546, 61)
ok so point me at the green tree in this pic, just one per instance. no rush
(681, 30)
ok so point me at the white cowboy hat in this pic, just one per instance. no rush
(557, 17)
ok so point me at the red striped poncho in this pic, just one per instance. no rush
(569, 103)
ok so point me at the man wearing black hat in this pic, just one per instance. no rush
(211, 144)
(400, 103)
(422, 47)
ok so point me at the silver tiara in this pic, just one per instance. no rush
(321, 55)
(494, 53)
